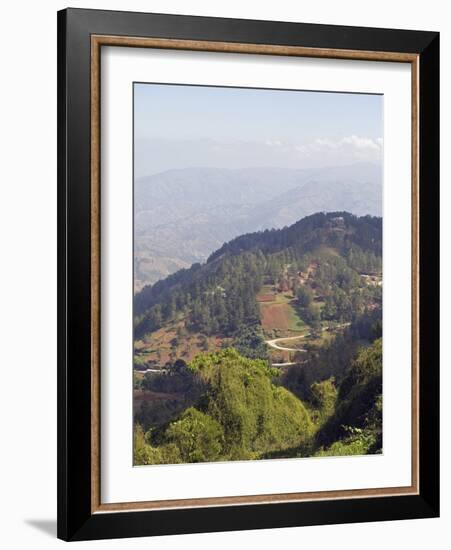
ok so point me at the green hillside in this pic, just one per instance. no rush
(219, 296)
(241, 414)
(271, 348)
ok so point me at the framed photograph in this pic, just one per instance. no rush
(248, 274)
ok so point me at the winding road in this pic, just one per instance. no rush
(275, 344)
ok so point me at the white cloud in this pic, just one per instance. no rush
(274, 143)
(361, 142)
(342, 151)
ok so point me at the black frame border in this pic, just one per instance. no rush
(75, 520)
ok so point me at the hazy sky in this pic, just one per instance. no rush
(185, 126)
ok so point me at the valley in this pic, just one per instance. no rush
(293, 308)
(210, 206)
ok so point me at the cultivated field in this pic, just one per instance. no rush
(174, 342)
(277, 312)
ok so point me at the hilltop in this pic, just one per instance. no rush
(182, 216)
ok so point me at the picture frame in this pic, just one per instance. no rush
(81, 36)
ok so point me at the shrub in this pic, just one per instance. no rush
(197, 436)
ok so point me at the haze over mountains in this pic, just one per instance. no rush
(183, 215)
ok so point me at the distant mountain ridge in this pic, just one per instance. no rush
(182, 216)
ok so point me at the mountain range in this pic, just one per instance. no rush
(183, 215)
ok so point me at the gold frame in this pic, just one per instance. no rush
(97, 41)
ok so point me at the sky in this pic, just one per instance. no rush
(178, 126)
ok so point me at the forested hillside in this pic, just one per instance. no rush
(270, 348)
(220, 295)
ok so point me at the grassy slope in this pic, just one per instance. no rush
(242, 415)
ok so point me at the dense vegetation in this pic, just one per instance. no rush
(219, 297)
(357, 419)
(333, 358)
(241, 414)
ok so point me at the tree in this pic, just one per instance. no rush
(359, 405)
(324, 398)
(304, 296)
(198, 437)
(256, 415)
(250, 343)
(143, 453)
(314, 316)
